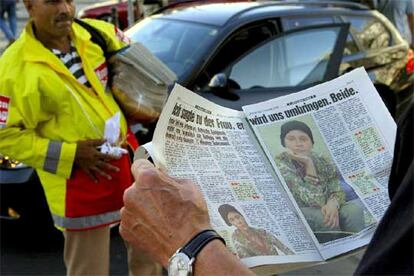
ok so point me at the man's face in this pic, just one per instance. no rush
(52, 17)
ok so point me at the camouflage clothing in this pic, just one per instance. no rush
(248, 246)
(310, 191)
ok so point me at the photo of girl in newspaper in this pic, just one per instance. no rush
(317, 186)
(250, 241)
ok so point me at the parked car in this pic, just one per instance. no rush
(105, 10)
(24, 215)
(240, 53)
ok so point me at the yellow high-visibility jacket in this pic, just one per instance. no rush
(45, 111)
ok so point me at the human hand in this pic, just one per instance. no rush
(92, 161)
(161, 213)
(330, 213)
(304, 159)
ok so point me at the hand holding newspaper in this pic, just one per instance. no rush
(295, 180)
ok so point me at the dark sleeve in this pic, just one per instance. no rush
(391, 250)
(404, 149)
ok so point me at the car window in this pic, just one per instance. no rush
(177, 44)
(289, 23)
(369, 32)
(237, 44)
(299, 58)
(292, 22)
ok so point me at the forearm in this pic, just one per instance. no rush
(216, 259)
(38, 152)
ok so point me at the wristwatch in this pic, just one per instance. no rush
(181, 262)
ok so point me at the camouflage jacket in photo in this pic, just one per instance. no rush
(248, 246)
(308, 191)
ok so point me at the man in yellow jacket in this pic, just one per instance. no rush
(54, 103)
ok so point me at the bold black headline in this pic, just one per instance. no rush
(191, 116)
(304, 108)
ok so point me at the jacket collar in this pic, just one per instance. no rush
(35, 51)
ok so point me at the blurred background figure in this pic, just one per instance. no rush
(401, 13)
(10, 29)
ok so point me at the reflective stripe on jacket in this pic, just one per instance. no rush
(45, 111)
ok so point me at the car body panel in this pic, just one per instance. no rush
(16, 176)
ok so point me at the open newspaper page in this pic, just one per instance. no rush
(332, 147)
(214, 146)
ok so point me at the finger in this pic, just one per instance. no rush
(323, 210)
(108, 167)
(325, 217)
(337, 220)
(183, 181)
(104, 156)
(333, 220)
(101, 173)
(91, 175)
(125, 225)
(140, 165)
(95, 142)
(326, 220)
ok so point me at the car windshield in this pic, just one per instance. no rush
(180, 45)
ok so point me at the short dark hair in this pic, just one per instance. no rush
(225, 209)
(294, 125)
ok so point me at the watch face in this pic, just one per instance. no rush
(179, 265)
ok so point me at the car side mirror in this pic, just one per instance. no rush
(218, 81)
(221, 86)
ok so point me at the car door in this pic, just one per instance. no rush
(283, 64)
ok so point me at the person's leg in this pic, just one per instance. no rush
(139, 264)
(87, 252)
(351, 217)
(3, 26)
(11, 14)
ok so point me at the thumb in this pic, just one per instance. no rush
(323, 210)
(139, 165)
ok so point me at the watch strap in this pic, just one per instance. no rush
(194, 246)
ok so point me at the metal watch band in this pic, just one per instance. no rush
(194, 246)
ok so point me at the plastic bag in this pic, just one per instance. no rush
(140, 83)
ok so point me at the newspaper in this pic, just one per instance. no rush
(301, 178)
